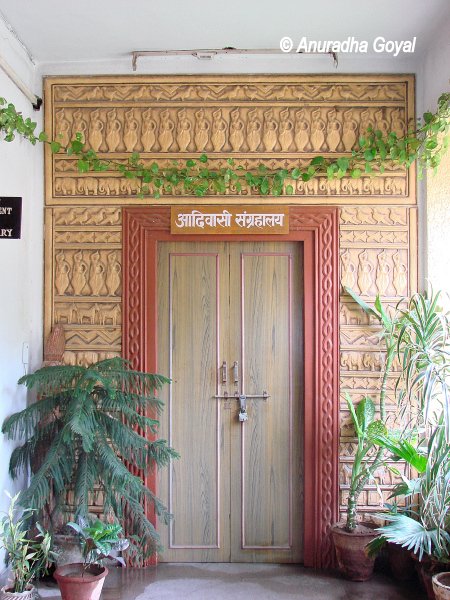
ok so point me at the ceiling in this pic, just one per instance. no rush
(82, 30)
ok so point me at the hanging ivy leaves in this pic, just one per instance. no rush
(426, 144)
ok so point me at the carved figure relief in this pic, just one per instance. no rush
(381, 123)
(113, 130)
(79, 125)
(165, 137)
(97, 275)
(365, 269)
(400, 279)
(382, 276)
(130, 135)
(201, 135)
(62, 128)
(113, 273)
(184, 127)
(149, 126)
(349, 131)
(62, 274)
(95, 131)
(236, 130)
(302, 131)
(219, 130)
(79, 274)
(253, 131)
(270, 129)
(286, 131)
(347, 271)
(398, 125)
(317, 131)
(334, 131)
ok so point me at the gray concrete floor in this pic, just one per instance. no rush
(241, 581)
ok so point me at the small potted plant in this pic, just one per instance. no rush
(98, 540)
(27, 556)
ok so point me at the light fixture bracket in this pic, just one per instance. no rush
(209, 54)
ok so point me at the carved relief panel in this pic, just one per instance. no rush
(280, 121)
(378, 257)
(86, 280)
(286, 120)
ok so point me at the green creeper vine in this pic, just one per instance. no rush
(425, 143)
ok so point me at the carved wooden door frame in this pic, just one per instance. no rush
(317, 228)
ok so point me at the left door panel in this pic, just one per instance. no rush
(192, 278)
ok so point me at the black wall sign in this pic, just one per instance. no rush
(10, 218)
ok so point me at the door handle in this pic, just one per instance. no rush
(236, 372)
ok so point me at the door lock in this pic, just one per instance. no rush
(243, 416)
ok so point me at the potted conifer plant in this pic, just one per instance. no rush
(98, 540)
(95, 429)
(27, 555)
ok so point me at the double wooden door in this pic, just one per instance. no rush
(230, 338)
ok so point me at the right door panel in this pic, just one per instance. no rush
(266, 458)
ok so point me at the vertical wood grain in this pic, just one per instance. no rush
(267, 466)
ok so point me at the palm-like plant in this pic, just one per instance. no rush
(424, 350)
(423, 525)
(90, 421)
(369, 457)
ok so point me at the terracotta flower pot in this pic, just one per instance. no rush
(351, 551)
(441, 586)
(400, 561)
(76, 583)
(6, 594)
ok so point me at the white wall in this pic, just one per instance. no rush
(432, 80)
(21, 174)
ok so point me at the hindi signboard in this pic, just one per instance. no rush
(10, 217)
(229, 220)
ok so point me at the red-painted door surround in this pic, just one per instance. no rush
(317, 228)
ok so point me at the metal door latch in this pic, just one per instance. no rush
(243, 416)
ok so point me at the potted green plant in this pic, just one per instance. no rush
(351, 537)
(423, 525)
(94, 428)
(84, 581)
(26, 555)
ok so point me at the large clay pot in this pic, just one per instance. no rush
(351, 553)
(441, 586)
(29, 594)
(76, 583)
(400, 561)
